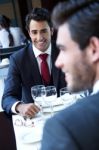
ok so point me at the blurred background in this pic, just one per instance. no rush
(16, 10)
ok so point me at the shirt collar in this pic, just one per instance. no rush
(96, 87)
(37, 52)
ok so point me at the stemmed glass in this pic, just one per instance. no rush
(66, 97)
(38, 93)
(51, 95)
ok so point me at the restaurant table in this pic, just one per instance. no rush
(7, 136)
(27, 137)
(16, 133)
(28, 133)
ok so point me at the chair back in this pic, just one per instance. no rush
(7, 136)
(6, 52)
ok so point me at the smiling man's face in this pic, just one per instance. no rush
(40, 34)
(74, 62)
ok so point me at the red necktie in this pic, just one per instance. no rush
(44, 69)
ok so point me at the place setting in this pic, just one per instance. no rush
(29, 131)
(46, 99)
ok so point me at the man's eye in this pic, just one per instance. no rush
(44, 31)
(33, 32)
(61, 48)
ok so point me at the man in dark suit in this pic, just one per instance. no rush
(24, 70)
(76, 127)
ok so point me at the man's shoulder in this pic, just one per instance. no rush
(84, 103)
(78, 122)
(21, 57)
(79, 110)
(23, 51)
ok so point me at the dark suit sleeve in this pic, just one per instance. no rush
(57, 137)
(13, 89)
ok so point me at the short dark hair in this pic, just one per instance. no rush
(82, 17)
(38, 14)
(4, 21)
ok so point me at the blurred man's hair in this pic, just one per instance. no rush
(82, 17)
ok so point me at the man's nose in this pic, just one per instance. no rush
(39, 36)
(58, 62)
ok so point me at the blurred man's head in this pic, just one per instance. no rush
(38, 24)
(78, 40)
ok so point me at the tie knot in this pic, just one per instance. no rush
(43, 56)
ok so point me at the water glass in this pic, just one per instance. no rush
(51, 95)
(38, 93)
(66, 96)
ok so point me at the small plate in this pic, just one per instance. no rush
(57, 102)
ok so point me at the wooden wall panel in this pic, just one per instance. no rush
(5, 8)
(36, 3)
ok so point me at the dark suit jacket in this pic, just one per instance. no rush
(23, 74)
(74, 128)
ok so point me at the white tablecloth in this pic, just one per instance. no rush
(29, 138)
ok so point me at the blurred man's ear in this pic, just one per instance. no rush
(94, 45)
(29, 33)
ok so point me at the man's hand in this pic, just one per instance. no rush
(27, 110)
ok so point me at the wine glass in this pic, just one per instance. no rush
(67, 97)
(51, 95)
(38, 93)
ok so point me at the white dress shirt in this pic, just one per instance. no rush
(38, 52)
(17, 34)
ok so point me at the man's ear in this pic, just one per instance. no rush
(29, 32)
(94, 48)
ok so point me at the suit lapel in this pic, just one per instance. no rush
(36, 77)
